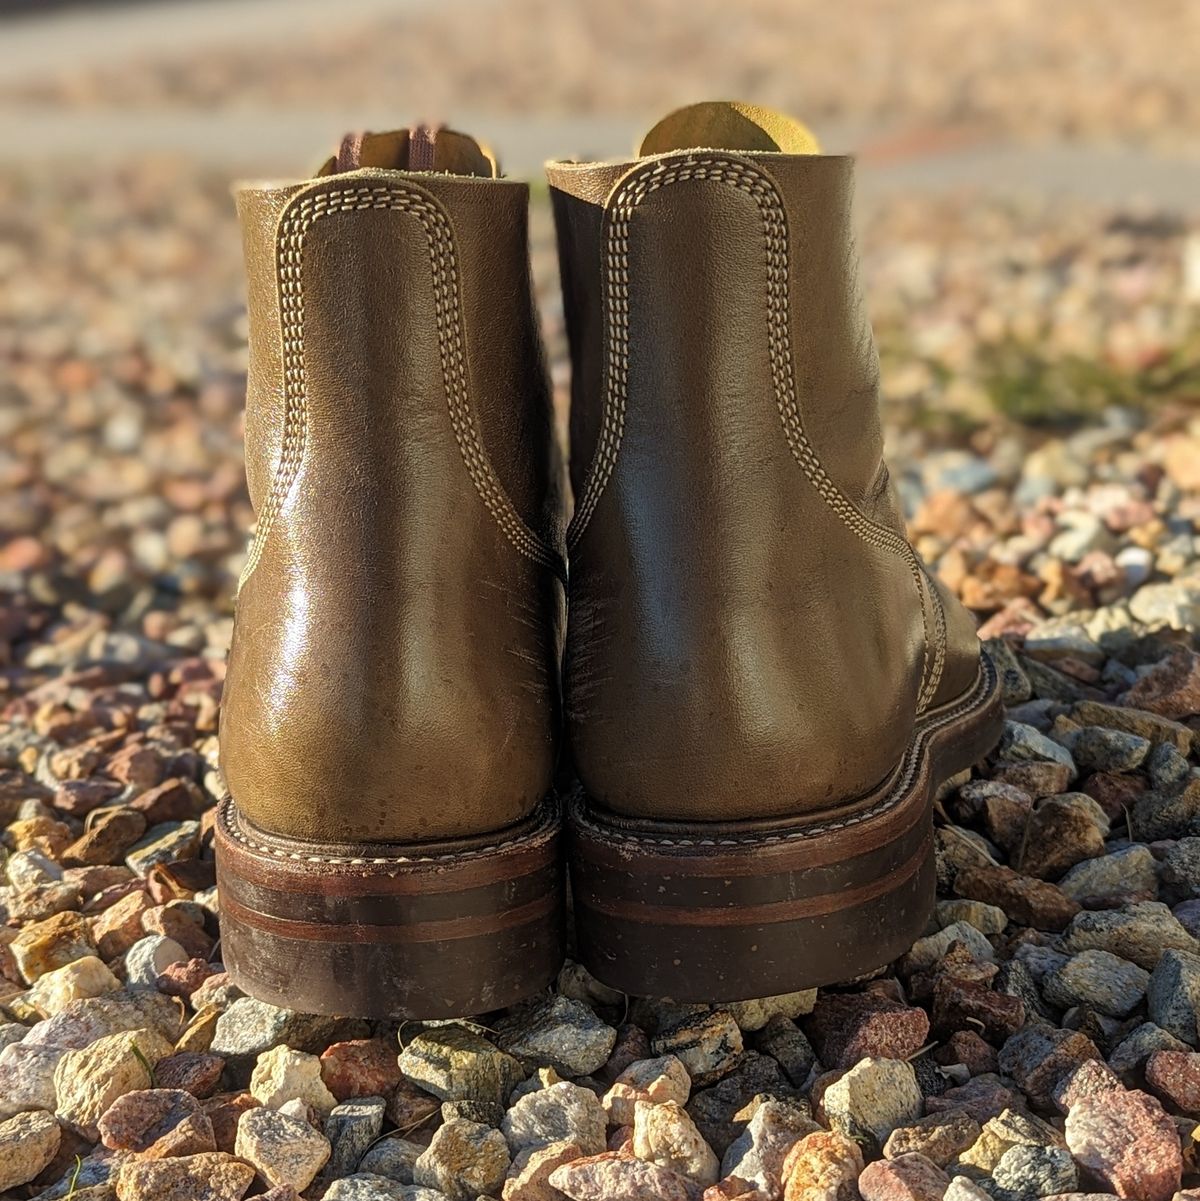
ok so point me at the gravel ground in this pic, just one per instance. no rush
(1041, 1040)
(1093, 71)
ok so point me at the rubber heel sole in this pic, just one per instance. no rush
(391, 931)
(756, 909)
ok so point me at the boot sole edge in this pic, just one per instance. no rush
(391, 931)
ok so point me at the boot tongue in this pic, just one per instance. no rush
(729, 125)
(421, 148)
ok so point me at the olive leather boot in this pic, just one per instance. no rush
(763, 685)
(389, 846)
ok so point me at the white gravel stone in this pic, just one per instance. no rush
(88, 1081)
(283, 1075)
(283, 1149)
(87, 977)
(666, 1135)
(653, 1080)
(564, 1111)
(28, 1142)
(757, 1154)
(149, 957)
(28, 1075)
(873, 1098)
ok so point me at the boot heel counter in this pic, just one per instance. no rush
(395, 657)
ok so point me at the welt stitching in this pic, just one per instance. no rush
(979, 695)
(297, 219)
(227, 814)
(762, 190)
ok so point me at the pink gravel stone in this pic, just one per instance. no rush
(613, 1177)
(363, 1067)
(847, 1027)
(1125, 1141)
(194, 1072)
(1171, 687)
(822, 1166)
(1175, 1076)
(909, 1177)
(182, 979)
(731, 1187)
(157, 1123)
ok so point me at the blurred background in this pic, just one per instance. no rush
(1028, 204)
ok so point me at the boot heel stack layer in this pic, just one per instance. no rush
(390, 931)
(754, 909)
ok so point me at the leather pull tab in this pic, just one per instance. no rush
(349, 155)
(422, 146)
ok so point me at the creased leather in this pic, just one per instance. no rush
(736, 649)
(394, 667)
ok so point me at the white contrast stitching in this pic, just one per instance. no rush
(294, 223)
(750, 179)
(230, 821)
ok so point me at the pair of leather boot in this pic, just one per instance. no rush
(725, 691)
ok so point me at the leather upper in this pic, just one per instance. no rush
(750, 633)
(394, 668)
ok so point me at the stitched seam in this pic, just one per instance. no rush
(228, 816)
(294, 224)
(979, 696)
(763, 191)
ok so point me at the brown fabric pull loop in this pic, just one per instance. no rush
(349, 155)
(422, 146)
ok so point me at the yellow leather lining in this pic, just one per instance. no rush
(729, 125)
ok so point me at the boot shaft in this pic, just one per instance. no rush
(394, 665)
(751, 635)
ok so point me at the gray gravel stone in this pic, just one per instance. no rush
(1174, 995)
(1031, 1172)
(1100, 980)
(81, 1022)
(455, 1063)
(757, 1154)
(1131, 871)
(149, 957)
(1095, 748)
(1167, 768)
(249, 1027)
(1181, 869)
(28, 1075)
(392, 1157)
(1139, 933)
(351, 1128)
(787, 1044)
(284, 1149)
(464, 1160)
(929, 950)
(1130, 1054)
(365, 1186)
(1023, 744)
(561, 1033)
(564, 1112)
(1167, 813)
